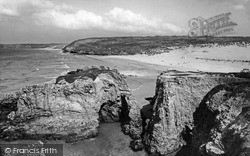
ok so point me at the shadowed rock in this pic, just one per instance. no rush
(71, 108)
(222, 123)
(86, 73)
(177, 96)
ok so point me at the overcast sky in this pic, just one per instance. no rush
(46, 21)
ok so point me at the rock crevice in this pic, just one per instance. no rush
(177, 95)
(221, 121)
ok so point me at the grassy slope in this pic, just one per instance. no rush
(144, 45)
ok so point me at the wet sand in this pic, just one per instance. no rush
(109, 142)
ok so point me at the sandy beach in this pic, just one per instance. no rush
(209, 59)
(39, 66)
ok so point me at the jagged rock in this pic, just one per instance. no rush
(177, 96)
(71, 108)
(222, 122)
(136, 145)
(110, 112)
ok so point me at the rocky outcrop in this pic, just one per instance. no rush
(222, 122)
(177, 96)
(70, 108)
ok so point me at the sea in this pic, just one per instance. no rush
(21, 67)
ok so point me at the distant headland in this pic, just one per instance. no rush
(146, 45)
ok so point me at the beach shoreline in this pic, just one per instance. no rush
(215, 59)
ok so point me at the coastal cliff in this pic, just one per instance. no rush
(178, 95)
(222, 123)
(71, 108)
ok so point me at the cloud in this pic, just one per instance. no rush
(19, 7)
(235, 4)
(225, 1)
(116, 19)
(240, 4)
(239, 7)
(15, 7)
(6, 8)
(78, 20)
(127, 20)
(44, 12)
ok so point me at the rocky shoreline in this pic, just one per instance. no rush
(191, 113)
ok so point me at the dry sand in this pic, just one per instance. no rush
(213, 59)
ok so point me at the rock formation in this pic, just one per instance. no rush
(192, 113)
(177, 96)
(70, 108)
(222, 122)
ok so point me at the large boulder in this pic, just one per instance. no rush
(222, 122)
(69, 108)
(177, 96)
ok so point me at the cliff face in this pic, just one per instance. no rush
(177, 96)
(222, 121)
(71, 108)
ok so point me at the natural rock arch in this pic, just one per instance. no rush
(70, 108)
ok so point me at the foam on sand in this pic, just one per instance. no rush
(134, 73)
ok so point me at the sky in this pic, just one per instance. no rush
(62, 21)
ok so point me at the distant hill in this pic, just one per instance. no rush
(33, 46)
(145, 45)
